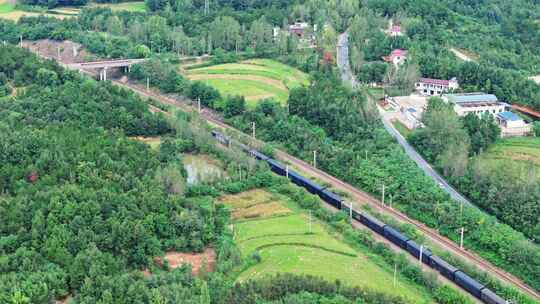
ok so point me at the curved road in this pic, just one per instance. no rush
(360, 197)
(348, 77)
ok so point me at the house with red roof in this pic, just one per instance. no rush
(397, 57)
(432, 87)
(395, 30)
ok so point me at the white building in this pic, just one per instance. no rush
(512, 125)
(397, 57)
(476, 103)
(431, 87)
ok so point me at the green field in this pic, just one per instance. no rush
(254, 79)
(523, 151)
(291, 242)
(6, 7)
(8, 10)
(402, 129)
(135, 6)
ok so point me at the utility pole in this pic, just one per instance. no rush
(309, 221)
(147, 84)
(315, 158)
(253, 130)
(383, 194)
(395, 274)
(461, 242)
(199, 104)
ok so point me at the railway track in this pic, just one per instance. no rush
(359, 196)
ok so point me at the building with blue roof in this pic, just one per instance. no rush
(512, 125)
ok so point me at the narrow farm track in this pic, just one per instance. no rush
(360, 197)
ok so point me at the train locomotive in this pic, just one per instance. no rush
(390, 233)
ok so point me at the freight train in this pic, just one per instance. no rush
(390, 233)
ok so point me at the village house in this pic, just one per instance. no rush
(396, 57)
(298, 29)
(476, 103)
(432, 87)
(512, 125)
(395, 31)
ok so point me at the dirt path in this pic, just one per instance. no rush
(461, 55)
(269, 81)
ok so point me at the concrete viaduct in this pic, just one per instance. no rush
(102, 66)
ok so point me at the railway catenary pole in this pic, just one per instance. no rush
(461, 241)
(315, 158)
(287, 171)
(199, 104)
(350, 211)
(253, 130)
(147, 84)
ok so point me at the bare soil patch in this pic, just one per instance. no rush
(196, 260)
(66, 51)
(261, 210)
(535, 79)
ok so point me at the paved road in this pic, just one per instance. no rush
(348, 77)
(422, 163)
(343, 60)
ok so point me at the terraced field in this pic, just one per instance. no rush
(287, 240)
(523, 151)
(254, 79)
(9, 11)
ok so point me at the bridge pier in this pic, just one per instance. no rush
(103, 74)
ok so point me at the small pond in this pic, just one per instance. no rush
(202, 168)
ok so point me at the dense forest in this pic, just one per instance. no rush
(85, 209)
(340, 124)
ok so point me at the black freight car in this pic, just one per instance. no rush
(258, 155)
(373, 223)
(304, 182)
(443, 267)
(220, 137)
(276, 166)
(356, 215)
(395, 236)
(468, 283)
(490, 297)
(331, 198)
(414, 249)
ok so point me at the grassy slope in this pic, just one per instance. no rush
(135, 6)
(292, 248)
(520, 150)
(254, 90)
